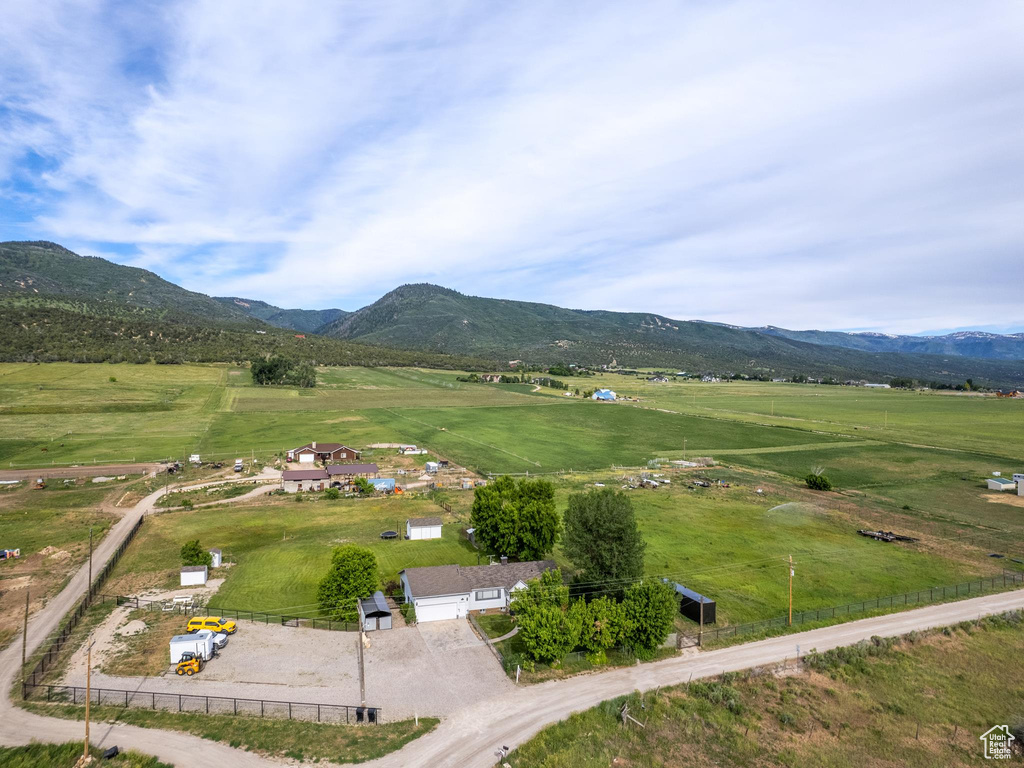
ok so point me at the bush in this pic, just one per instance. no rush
(818, 482)
(332, 493)
(192, 553)
(409, 612)
(650, 610)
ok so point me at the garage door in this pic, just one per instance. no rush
(306, 458)
(437, 612)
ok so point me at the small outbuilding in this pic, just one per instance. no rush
(385, 484)
(216, 557)
(374, 612)
(200, 645)
(431, 466)
(423, 528)
(342, 474)
(298, 480)
(1018, 478)
(1000, 484)
(690, 603)
(194, 575)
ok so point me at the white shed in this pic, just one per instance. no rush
(423, 528)
(1000, 484)
(216, 555)
(193, 575)
(431, 466)
(1018, 478)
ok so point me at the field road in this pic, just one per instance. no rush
(101, 470)
(470, 737)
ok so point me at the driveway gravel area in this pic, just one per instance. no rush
(430, 669)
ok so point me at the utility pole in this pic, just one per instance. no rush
(790, 590)
(684, 449)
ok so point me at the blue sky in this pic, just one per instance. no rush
(801, 164)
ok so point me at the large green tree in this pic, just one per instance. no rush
(602, 539)
(549, 621)
(353, 575)
(602, 627)
(649, 613)
(516, 518)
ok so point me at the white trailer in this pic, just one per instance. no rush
(200, 645)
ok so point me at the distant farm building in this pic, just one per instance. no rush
(1000, 484)
(603, 394)
(419, 528)
(298, 480)
(1018, 478)
(322, 452)
(343, 474)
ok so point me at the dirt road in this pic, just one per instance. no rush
(470, 737)
(112, 470)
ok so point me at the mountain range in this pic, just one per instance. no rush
(414, 321)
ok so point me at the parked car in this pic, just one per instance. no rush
(219, 638)
(215, 623)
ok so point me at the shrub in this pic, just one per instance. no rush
(650, 610)
(818, 482)
(332, 493)
(192, 553)
(409, 612)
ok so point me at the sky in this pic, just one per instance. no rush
(853, 166)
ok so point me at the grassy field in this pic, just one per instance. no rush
(907, 461)
(281, 549)
(67, 755)
(920, 703)
(51, 528)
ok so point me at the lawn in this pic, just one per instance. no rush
(281, 549)
(921, 703)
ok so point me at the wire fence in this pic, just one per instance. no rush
(260, 617)
(210, 705)
(51, 654)
(920, 597)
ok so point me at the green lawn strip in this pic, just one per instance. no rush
(293, 739)
(205, 495)
(495, 624)
(67, 755)
(919, 702)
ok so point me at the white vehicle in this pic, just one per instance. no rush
(238, 465)
(194, 459)
(219, 639)
(200, 645)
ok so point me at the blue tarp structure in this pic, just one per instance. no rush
(382, 483)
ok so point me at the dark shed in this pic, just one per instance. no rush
(374, 612)
(690, 601)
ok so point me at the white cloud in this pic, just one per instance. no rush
(799, 164)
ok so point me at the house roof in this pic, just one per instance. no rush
(304, 474)
(1000, 480)
(424, 522)
(193, 569)
(322, 447)
(456, 579)
(352, 469)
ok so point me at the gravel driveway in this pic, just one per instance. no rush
(428, 669)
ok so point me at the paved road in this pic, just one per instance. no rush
(470, 737)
